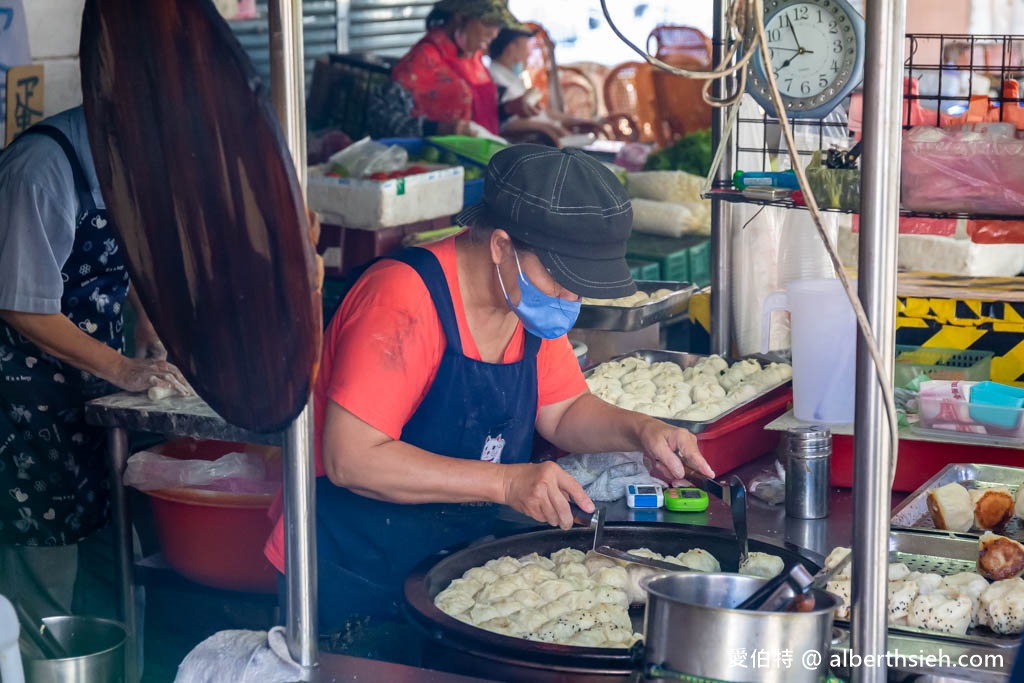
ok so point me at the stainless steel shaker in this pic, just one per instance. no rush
(808, 463)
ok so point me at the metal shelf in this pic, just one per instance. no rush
(733, 196)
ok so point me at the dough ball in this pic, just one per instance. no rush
(699, 560)
(762, 564)
(568, 555)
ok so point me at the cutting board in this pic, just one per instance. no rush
(197, 176)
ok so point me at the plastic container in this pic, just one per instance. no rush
(471, 153)
(210, 537)
(998, 405)
(948, 364)
(824, 339)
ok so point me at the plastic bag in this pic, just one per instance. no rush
(962, 171)
(770, 485)
(231, 473)
(362, 158)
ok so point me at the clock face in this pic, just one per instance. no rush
(816, 54)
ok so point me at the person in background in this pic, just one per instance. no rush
(445, 73)
(442, 363)
(62, 296)
(508, 54)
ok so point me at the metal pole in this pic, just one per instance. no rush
(721, 212)
(117, 458)
(883, 97)
(288, 90)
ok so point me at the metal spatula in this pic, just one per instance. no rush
(733, 494)
(596, 522)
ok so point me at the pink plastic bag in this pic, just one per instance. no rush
(962, 171)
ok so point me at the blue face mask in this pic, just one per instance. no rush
(548, 317)
(518, 68)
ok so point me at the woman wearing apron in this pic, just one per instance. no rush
(441, 364)
(61, 337)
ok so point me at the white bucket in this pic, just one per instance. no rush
(824, 339)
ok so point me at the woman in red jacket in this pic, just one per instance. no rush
(445, 73)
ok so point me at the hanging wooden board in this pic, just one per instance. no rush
(197, 176)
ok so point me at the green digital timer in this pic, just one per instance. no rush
(682, 499)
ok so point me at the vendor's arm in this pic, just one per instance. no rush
(56, 335)
(371, 463)
(586, 424)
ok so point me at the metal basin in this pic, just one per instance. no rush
(95, 648)
(691, 629)
(457, 646)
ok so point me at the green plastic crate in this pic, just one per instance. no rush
(640, 269)
(681, 259)
(479, 150)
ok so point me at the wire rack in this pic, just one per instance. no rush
(949, 79)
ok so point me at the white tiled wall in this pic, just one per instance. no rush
(53, 28)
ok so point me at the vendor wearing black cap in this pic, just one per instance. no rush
(444, 360)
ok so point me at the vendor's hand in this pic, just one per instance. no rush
(543, 491)
(139, 374)
(669, 447)
(520, 107)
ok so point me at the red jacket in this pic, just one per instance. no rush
(446, 87)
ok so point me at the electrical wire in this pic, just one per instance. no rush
(745, 26)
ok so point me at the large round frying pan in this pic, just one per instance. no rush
(198, 178)
(473, 651)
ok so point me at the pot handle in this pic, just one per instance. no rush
(773, 302)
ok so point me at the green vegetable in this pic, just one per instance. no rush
(473, 172)
(430, 154)
(690, 153)
(339, 170)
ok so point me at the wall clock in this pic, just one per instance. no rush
(817, 55)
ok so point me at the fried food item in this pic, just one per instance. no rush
(993, 507)
(951, 507)
(1018, 506)
(999, 557)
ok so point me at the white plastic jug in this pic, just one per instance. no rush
(824, 339)
(10, 655)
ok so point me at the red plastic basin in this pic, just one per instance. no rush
(211, 537)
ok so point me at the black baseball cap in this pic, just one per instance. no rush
(567, 207)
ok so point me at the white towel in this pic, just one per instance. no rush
(242, 656)
(605, 476)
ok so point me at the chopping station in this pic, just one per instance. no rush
(748, 454)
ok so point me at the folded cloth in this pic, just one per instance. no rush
(605, 476)
(242, 656)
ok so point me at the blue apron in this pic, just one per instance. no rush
(473, 410)
(54, 487)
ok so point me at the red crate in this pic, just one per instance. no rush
(920, 460)
(742, 438)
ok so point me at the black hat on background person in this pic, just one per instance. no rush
(505, 38)
(568, 208)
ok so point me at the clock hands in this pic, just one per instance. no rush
(799, 52)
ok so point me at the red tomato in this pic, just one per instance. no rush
(414, 170)
(396, 174)
(379, 175)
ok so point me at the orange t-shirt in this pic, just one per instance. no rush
(384, 345)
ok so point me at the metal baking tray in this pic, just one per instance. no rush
(686, 360)
(913, 513)
(944, 553)
(630, 318)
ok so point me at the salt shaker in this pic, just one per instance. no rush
(808, 460)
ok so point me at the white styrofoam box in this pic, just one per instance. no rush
(376, 204)
(955, 255)
(54, 27)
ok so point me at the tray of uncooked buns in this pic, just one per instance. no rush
(686, 389)
(994, 501)
(653, 302)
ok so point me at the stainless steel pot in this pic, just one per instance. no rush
(95, 648)
(690, 629)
